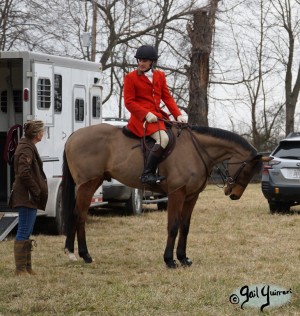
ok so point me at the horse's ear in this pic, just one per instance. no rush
(262, 158)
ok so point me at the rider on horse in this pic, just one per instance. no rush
(144, 89)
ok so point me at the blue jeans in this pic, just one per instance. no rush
(27, 218)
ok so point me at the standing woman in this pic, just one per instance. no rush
(29, 192)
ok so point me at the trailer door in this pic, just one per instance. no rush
(42, 92)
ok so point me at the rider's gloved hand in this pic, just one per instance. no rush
(181, 119)
(151, 118)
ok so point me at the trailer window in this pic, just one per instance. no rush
(4, 101)
(79, 110)
(96, 106)
(43, 93)
(17, 101)
(57, 93)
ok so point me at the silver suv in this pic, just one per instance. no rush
(281, 176)
(116, 192)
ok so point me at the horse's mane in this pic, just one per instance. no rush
(226, 135)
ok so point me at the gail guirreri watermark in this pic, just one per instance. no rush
(261, 295)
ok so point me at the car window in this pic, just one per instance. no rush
(288, 150)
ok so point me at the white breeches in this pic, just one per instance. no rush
(161, 138)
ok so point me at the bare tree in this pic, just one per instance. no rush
(129, 24)
(255, 73)
(285, 14)
(201, 35)
(250, 51)
(13, 23)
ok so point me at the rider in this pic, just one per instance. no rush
(144, 89)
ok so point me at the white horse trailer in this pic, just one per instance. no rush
(64, 93)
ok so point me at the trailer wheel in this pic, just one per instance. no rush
(58, 212)
(134, 205)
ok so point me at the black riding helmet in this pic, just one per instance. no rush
(146, 52)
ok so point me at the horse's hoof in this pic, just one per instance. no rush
(186, 262)
(70, 255)
(171, 264)
(87, 258)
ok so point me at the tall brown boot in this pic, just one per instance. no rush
(30, 243)
(20, 252)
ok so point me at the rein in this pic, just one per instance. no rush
(226, 177)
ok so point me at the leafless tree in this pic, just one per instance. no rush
(249, 62)
(13, 23)
(286, 14)
(247, 72)
(128, 24)
(201, 36)
(256, 71)
(118, 27)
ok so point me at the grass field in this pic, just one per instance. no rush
(231, 243)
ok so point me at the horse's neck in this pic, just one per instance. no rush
(218, 149)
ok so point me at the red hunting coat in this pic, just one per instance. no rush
(142, 96)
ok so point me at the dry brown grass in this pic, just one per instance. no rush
(231, 243)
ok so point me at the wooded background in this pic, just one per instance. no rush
(230, 64)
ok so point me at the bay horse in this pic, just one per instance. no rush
(100, 152)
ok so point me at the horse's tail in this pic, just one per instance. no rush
(68, 196)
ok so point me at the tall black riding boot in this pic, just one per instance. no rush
(149, 175)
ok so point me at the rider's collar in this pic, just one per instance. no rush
(142, 72)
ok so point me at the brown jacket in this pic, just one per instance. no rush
(30, 188)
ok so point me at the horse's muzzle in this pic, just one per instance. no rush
(234, 197)
(233, 193)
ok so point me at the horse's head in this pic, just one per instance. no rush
(239, 174)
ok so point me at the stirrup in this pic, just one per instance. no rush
(151, 178)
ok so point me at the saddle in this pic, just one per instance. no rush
(147, 142)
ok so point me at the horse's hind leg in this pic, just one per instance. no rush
(70, 240)
(184, 227)
(175, 204)
(83, 200)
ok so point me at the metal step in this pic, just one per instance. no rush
(7, 223)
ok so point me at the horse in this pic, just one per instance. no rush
(100, 152)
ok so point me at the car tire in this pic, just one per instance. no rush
(58, 211)
(277, 207)
(162, 206)
(134, 205)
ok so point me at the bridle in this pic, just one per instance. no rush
(231, 180)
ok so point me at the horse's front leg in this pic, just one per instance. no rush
(82, 245)
(175, 204)
(184, 227)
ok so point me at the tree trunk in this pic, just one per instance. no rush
(94, 31)
(291, 96)
(201, 35)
